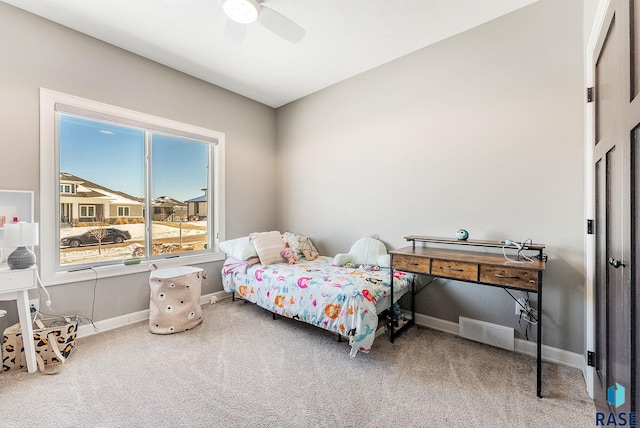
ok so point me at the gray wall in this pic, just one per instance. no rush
(483, 131)
(590, 8)
(38, 53)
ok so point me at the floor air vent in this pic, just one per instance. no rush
(491, 334)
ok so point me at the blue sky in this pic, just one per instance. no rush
(113, 156)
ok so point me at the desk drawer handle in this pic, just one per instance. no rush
(453, 269)
(507, 276)
(412, 264)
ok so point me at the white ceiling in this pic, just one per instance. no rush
(343, 37)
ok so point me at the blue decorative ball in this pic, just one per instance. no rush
(462, 234)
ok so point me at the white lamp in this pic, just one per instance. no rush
(242, 11)
(21, 235)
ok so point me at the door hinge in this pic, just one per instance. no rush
(591, 358)
(590, 94)
(590, 226)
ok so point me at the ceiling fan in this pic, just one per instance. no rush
(244, 12)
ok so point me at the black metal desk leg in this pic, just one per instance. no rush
(539, 361)
(391, 307)
(413, 299)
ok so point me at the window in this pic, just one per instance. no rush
(87, 211)
(66, 188)
(126, 184)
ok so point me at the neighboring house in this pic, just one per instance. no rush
(84, 201)
(168, 209)
(197, 207)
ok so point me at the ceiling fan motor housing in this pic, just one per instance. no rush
(242, 11)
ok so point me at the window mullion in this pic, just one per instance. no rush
(148, 208)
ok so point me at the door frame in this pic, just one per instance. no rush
(590, 191)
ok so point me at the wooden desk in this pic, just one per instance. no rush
(476, 267)
(15, 285)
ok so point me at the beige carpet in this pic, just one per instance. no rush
(241, 368)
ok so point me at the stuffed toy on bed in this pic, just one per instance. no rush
(307, 249)
(290, 255)
(367, 251)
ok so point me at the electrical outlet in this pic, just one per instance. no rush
(34, 305)
(523, 309)
(521, 306)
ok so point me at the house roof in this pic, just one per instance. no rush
(166, 201)
(202, 198)
(89, 189)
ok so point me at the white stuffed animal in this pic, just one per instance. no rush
(366, 251)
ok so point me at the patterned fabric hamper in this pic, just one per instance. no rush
(53, 338)
(174, 304)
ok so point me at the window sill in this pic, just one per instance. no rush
(98, 272)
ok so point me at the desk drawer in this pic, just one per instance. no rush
(511, 277)
(14, 280)
(451, 269)
(412, 263)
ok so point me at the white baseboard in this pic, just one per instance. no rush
(549, 353)
(589, 377)
(123, 320)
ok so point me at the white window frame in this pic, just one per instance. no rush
(49, 207)
(66, 189)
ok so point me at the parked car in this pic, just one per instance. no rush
(107, 235)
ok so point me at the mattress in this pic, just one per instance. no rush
(343, 300)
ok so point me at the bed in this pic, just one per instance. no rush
(346, 300)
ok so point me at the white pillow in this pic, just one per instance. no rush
(268, 245)
(239, 248)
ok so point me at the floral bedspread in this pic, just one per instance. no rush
(338, 299)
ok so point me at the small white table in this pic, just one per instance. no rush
(15, 285)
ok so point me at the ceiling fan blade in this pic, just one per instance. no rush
(280, 25)
(234, 32)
